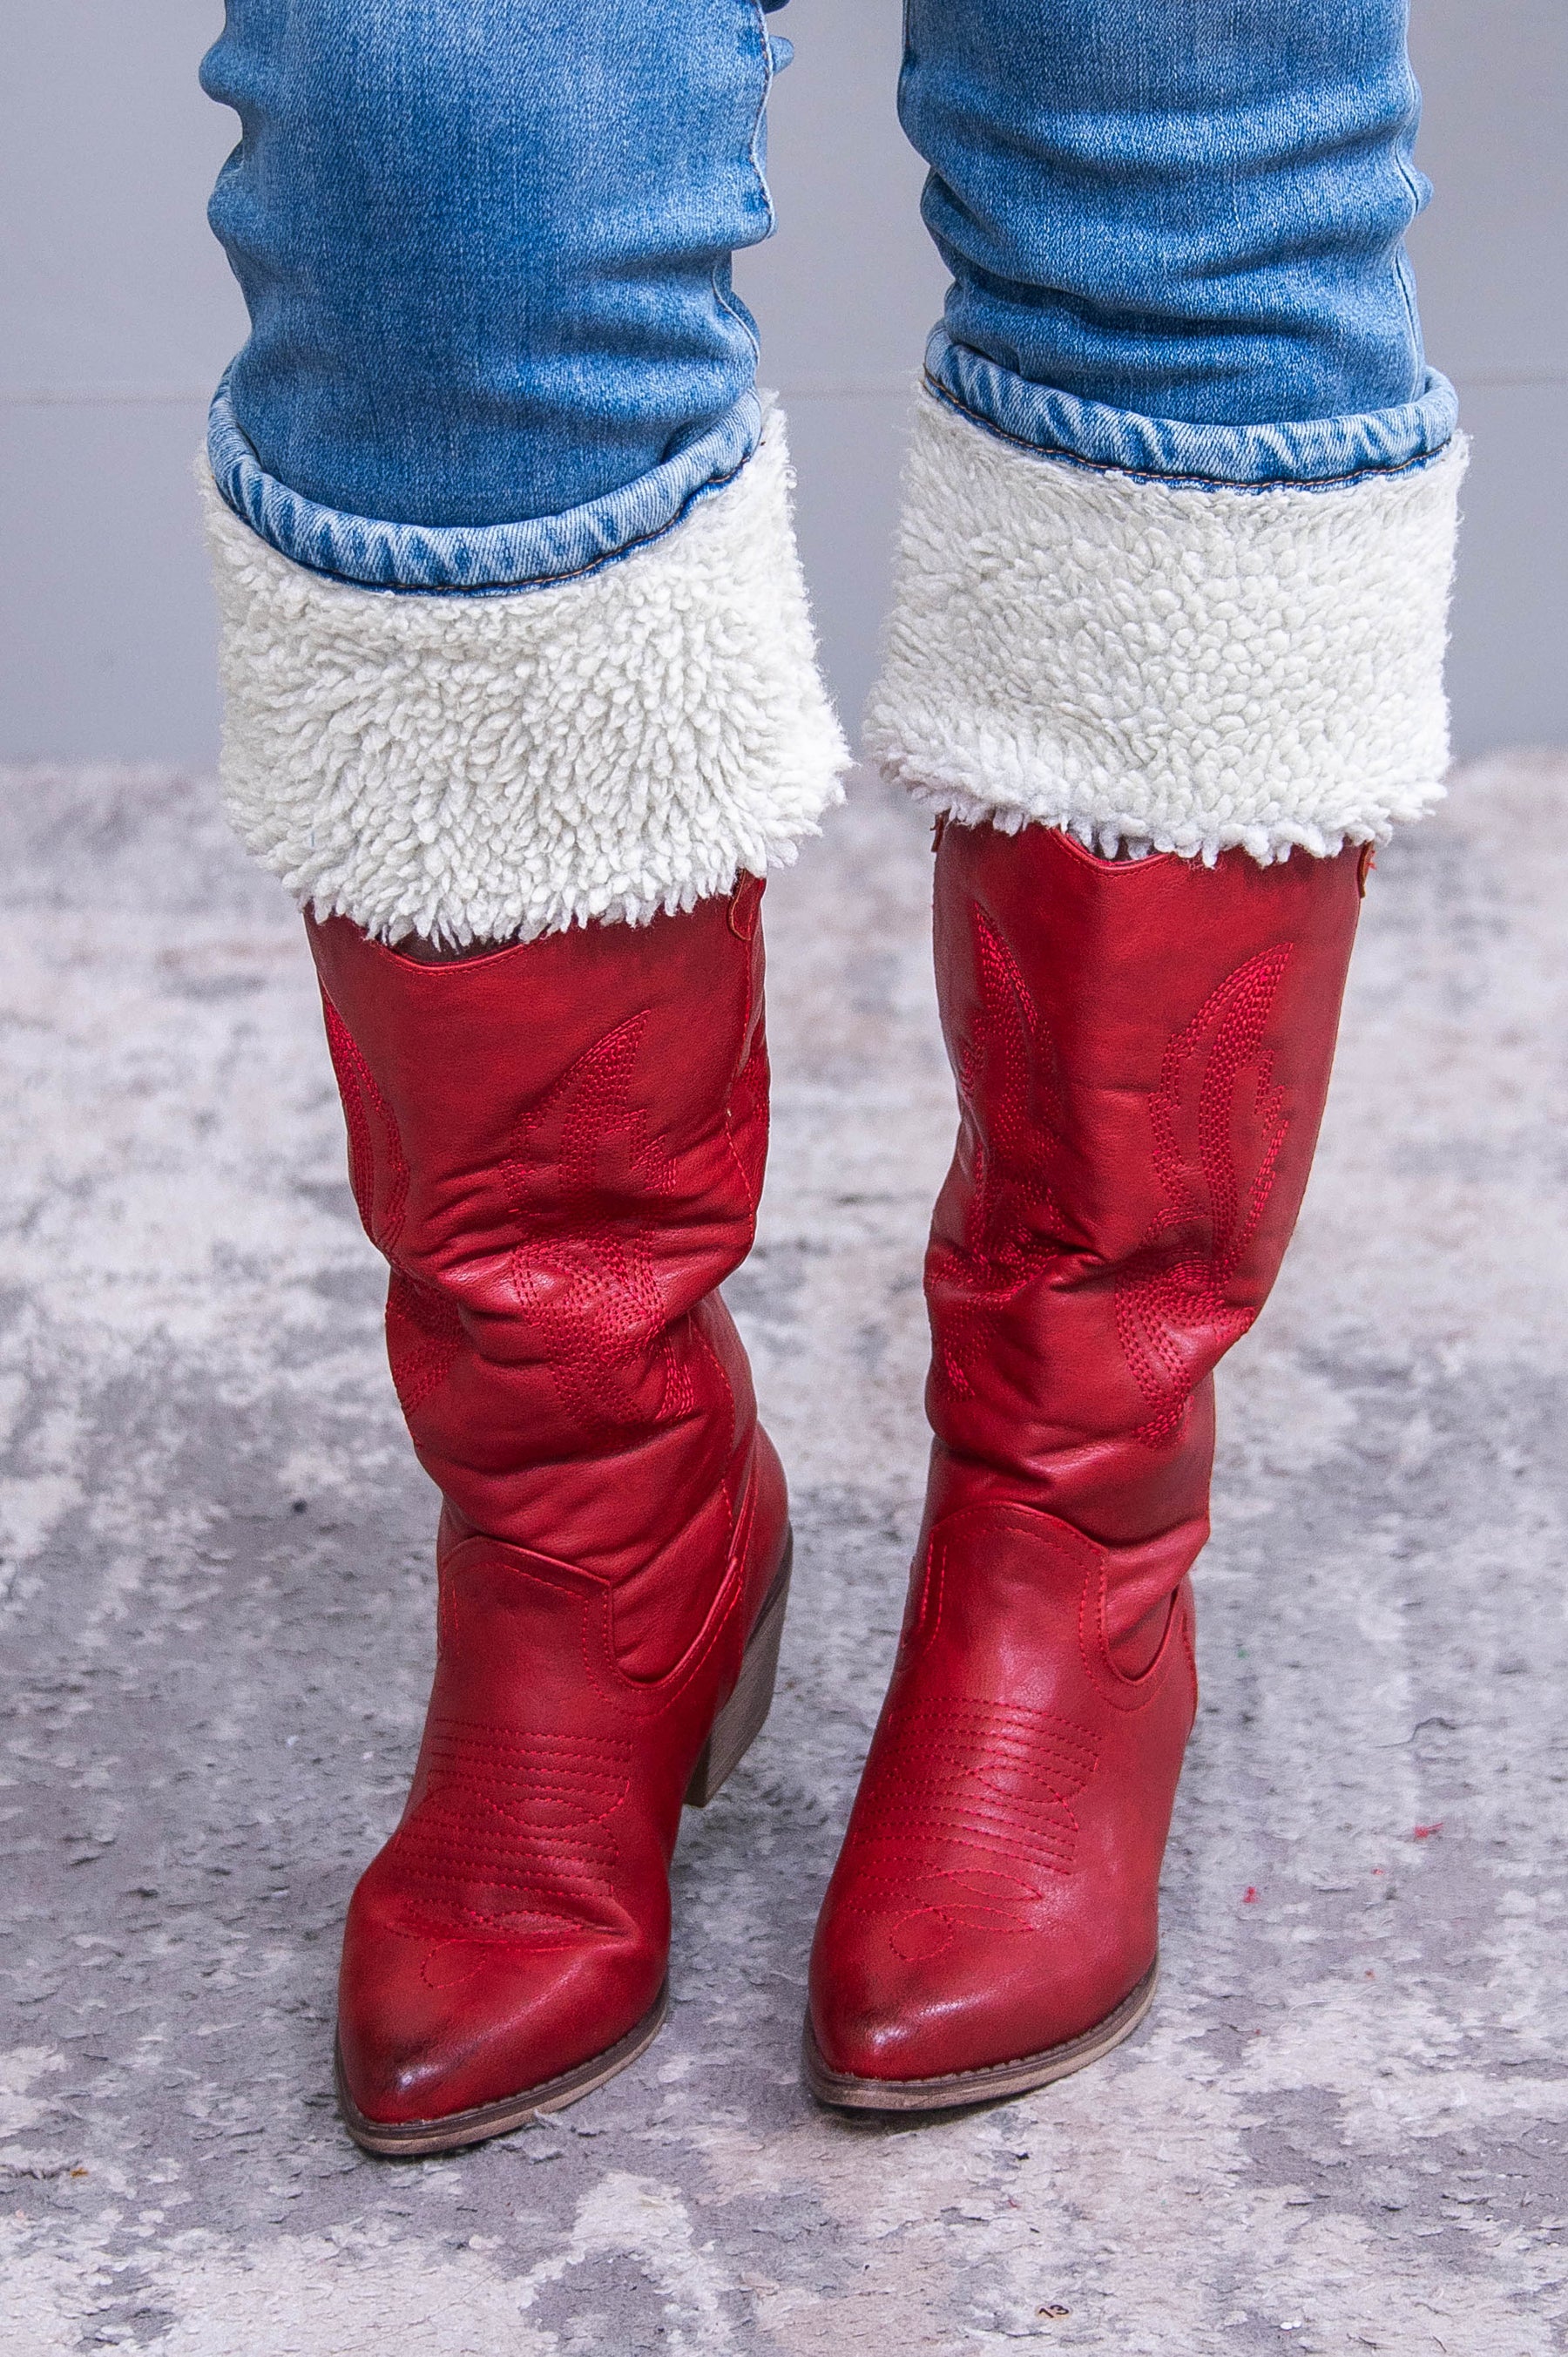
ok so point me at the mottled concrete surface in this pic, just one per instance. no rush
(1344, 2127)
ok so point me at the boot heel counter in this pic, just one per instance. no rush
(742, 1718)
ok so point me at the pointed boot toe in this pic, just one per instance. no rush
(992, 1924)
(444, 2039)
(925, 2004)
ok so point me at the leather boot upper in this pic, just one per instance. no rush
(1142, 1050)
(559, 1148)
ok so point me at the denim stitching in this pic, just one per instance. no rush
(1188, 483)
(499, 588)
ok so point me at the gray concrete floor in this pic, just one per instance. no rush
(1344, 2127)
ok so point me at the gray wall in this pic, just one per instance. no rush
(117, 312)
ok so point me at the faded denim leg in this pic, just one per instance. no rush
(486, 252)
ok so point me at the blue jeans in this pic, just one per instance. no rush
(486, 247)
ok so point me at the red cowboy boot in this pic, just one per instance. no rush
(559, 1148)
(1143, 1051)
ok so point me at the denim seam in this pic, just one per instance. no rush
(1151, 475)
(1406, 278)
(732, 310)
(1403, 271)
(726, 303)
(754, 148)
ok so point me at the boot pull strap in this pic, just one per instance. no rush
(745, 905)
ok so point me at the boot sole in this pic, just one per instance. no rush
(416, 2139)
(844, 2091)
(733, 1733)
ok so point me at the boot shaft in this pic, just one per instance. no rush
(1143, 1051)
(559, 1148)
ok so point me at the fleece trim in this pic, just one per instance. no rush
(473, 769)
(1154, 667)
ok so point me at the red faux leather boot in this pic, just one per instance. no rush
(559, 1148)
(1142, 1050)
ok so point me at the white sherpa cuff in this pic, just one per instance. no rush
(491, 767)
(1153, 666)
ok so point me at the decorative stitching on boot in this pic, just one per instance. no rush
(583, 1278)
(994, 1778)
(505, 1811)
(425, 1340)
(1172, 1318)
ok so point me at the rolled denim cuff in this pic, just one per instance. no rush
(473, 558)
(1304, 450)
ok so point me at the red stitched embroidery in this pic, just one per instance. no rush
(1214, 1156)
(425, 1339)
(1173, 1316)
(993, 1781)
(586, 1170)
(581, 1181)
(513, 1831)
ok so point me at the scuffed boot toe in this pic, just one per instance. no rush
(446, 2038)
